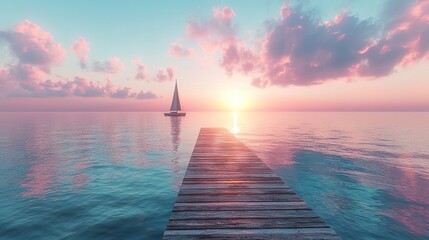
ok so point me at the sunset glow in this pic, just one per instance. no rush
(237, 102)
(224, 119)
(340, 56)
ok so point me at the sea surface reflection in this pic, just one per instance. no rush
(116, 175)
(366, 174)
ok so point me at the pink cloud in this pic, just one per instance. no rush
(177, 50)
(30, 44)
(166, 74)
(62, 88)
(124, 92)
(81, 49)
(219, 33)
(196, 30)
(111, 66)
(78, 86)
(37, 53)
(300, 50)
(141, 70)
(405, 40)
(214, 32)
(236, 57)
(163, 74)
(225, 14)
(146, 95)
(285, 11)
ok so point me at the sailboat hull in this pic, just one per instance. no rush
(175, 114)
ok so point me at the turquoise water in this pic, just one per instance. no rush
(116, 175)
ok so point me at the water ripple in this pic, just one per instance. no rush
(116, 175)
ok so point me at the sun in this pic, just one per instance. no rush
(237, 102)
(234, 100)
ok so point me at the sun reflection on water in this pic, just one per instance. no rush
(235, 128)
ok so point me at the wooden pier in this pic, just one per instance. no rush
(229, 193)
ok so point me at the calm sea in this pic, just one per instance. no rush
(116, 175)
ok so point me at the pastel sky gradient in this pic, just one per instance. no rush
(298, 55)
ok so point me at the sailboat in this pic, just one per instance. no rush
(175, 105)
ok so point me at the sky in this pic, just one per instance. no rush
(296, 55)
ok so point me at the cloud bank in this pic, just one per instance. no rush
(298, 49)
(37, 52)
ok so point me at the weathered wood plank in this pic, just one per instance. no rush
(246, 223)
(232, 155)
(225, 165)
(241, 191)
(229, 193)
(255, 237)
(228, 165)
(233, 185)
(266, 214)
(227, 170)
(219, 167)
(239, 198)
(217, 181)
(268, 233)
(237, 206)
(229, 177)
(228, 159)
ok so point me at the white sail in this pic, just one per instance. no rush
(175, 104)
